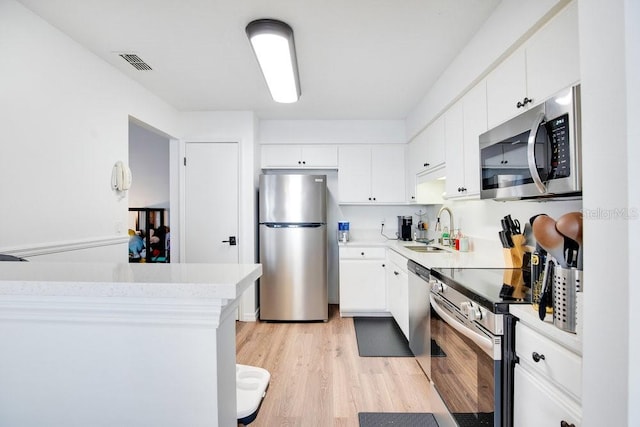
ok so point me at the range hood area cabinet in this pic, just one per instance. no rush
(371, 174)
(464, 122)
(547, 63)
(303, 156)
(425, 156)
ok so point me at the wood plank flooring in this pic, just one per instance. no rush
(318, 378)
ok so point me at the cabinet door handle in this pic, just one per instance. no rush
(426, 165)
(537, 357)
(362, 253)
(524, 102)
(304, 162)
(563, 423)
(395, 272)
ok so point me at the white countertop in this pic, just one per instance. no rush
(527, 315)
(482, 254)
(173, 280)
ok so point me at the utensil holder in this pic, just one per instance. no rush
(567, 282)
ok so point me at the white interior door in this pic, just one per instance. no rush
(211, 202)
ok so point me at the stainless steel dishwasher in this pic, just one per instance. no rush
(420, 315)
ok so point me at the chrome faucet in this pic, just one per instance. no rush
(444, 208)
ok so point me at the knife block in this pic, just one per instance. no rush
(513, 257)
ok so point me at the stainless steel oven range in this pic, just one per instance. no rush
(473, 352)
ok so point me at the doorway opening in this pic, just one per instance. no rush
(150, 194)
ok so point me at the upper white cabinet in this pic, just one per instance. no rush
(425, 153)
(371, 174)
(427, 149)
(465, 121)
(548, 62)
(289, 156)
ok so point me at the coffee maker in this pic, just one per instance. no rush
(404, 227)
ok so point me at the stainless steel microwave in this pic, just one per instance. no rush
(536, 154)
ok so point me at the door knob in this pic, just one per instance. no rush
(231, 241)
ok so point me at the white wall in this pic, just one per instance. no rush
(149, 163)
(331, 131)
(64, 116)
(609, 68)
(632, 38)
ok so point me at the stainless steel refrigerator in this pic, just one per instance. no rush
(293, 247)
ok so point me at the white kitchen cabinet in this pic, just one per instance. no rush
(362, 281)
(546, 63)
(398, 290)
(507, 89)
(548, 380)
(371, 174)
(553, 55)
(454, 137)
(463, 166)
(537, 404)
(425, 155)
(427, 149)
(290, 156)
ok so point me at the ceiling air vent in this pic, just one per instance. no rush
(135, 61)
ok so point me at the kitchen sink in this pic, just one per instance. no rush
(425, 248)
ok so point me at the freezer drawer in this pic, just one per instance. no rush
(293, 285)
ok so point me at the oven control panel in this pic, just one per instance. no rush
(464, 306)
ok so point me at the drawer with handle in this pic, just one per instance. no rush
(549, 360)
(362, 252)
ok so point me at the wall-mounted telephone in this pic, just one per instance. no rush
(121, 177)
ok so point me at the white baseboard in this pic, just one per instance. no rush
(250, 317)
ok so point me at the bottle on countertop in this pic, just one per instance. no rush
(445, 239)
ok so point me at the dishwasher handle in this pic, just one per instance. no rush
(421, 271)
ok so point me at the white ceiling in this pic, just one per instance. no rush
(358, 59)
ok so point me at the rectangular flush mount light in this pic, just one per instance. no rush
(272, 43)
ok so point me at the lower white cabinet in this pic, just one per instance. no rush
(398, 290)
(362, 281)
(537, 403)
(547, 381)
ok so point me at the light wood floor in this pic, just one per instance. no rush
(318, 378)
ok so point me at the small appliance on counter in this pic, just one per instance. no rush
(404, 227)
(343, 231)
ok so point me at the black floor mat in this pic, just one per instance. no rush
(436, 351)
(380, 337)
(480, 419)
(396, 419)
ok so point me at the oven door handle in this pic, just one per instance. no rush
(531, 153)
(482, 341)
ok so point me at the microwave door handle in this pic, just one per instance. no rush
(531, 153)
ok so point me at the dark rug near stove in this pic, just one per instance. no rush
(397, 419)
(436, 351)
(464, 419)
(380, 337)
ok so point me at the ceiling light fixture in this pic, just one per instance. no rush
(272, 43)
